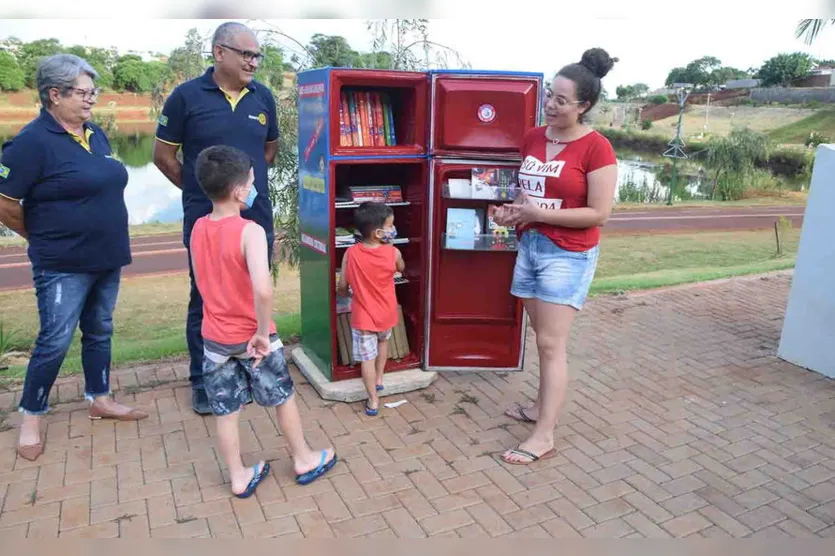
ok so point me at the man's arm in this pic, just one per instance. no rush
(255, 252)
(165, 158)
(270, 152)
(11, 215)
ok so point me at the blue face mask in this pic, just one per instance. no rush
(389, 235)
(250, 197)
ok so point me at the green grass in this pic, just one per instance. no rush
(797, 132)
(150, 316)
(788, 198)
(139, 230)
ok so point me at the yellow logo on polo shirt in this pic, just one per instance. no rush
(262, 118)
(4, 171)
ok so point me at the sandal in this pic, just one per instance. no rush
(380, 387)
(257, 477)
(529, 455)
(371, 412)
(518, 413)
(324, 467)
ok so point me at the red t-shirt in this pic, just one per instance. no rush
(370, 273)
(561, 183)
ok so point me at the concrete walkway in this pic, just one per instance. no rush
(681, 422)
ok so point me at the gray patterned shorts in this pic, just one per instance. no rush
(230, 380)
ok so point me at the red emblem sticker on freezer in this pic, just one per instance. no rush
(486, 113)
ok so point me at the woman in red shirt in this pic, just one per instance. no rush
(568, 178)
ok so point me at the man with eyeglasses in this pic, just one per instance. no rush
(224, 106)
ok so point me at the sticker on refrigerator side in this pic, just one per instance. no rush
(316, 244)
(486, 113)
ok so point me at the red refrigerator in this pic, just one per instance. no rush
(477, 122)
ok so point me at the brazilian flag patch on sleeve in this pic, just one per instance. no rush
(4, 171)
(163, 120)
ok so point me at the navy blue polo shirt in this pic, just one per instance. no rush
(199, 114)
(73, 194)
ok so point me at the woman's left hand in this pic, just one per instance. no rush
(523, 211)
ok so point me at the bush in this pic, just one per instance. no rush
(816, 138)
(646, 124)
(658, 99)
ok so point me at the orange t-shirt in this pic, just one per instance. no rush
(370, 273)
(223, 280)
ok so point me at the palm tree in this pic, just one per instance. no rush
(811, 28)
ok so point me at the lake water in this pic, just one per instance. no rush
(150, 197)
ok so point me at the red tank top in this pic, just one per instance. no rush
(223, 280)
(370, 273)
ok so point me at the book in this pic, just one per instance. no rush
(462, 227)
(390, 114)
(356, 124)
(494, 183)
(495, 229)
(377, 193)
(345, 116)
(342, 139)
(379, 120)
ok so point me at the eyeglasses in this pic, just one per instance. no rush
(561, 101)
(86, 94)
(247, 55)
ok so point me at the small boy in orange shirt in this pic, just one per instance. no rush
(368, 267)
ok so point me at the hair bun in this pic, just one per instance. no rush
(597, 61)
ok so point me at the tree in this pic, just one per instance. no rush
(187, 61)
(677, 75)
(624, 92)
(811, 28)
(733, 159)
(783, 69)
(331, 50)
(640, 89)
(11, 74)
(134, 75)
(30, 54)
(722, 75)
(271, 69)
(699, 72)
(407, 43)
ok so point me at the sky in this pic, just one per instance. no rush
(647, 48)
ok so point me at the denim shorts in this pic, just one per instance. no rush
(547, 272)
(231, 380)
(364, 345)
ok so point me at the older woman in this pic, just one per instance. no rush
(61, 188)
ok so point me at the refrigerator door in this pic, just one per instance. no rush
(472, 321)
(483, 114)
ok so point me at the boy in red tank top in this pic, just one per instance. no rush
(242, 358)
(368, 267)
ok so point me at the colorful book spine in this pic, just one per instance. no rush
(345, 115)
(379, 118)
(386, 120)
(390, 112)
(343, 139)
(362, 108)
(372, 125)
(356, 128)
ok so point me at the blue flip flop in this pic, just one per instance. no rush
(380, 387)
(256, 480)
(324, 467)
(371, 412)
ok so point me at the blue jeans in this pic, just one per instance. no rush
(194, 322)
(65, 301)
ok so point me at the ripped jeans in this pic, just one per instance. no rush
(65, 301)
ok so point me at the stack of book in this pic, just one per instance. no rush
(366, 119)
(376, 194)
(398, 343)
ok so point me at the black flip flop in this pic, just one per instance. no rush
(256, 480)
(520, 415)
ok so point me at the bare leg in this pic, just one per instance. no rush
(369, 379)
(304, 459)
(30, 430)
(554, 324)
(229, 441)
(382, 356)
(529, 412)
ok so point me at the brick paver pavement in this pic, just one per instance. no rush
(681, 422)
